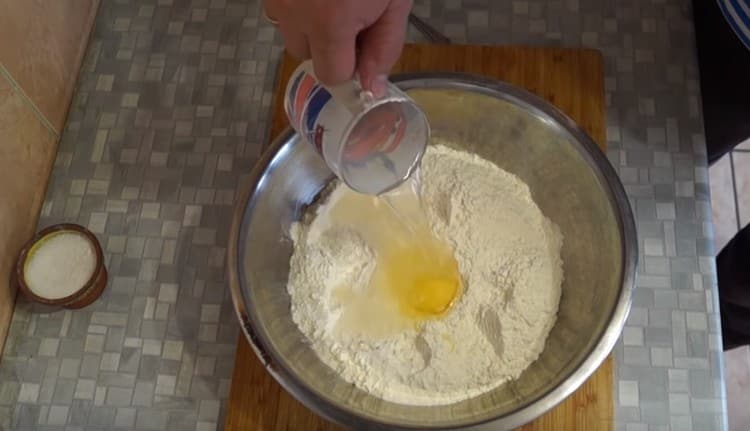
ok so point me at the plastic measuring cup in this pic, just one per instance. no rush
(372, 144)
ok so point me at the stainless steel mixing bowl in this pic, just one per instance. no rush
(571, 181)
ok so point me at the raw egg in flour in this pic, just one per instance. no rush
(415, 278)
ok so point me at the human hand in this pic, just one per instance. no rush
(344, 36)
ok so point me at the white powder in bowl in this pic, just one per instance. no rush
(60, 265)
(509, 258)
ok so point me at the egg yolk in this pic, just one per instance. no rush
(423, 277)
(416, 276)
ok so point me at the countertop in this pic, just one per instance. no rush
(171, 110)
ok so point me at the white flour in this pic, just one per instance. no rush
(508, 255)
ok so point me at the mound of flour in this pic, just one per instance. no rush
(509, 258)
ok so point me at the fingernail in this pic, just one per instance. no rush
(378, 86)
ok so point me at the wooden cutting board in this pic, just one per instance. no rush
(571, 79)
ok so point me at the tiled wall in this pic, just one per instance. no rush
(42, 43)
(730, 194)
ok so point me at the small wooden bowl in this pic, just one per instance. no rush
(83, 296)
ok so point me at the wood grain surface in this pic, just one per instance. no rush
(571, 79)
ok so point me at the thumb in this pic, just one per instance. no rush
(333, 58)
(381, 45)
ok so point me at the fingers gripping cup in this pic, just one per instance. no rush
(372, 144)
